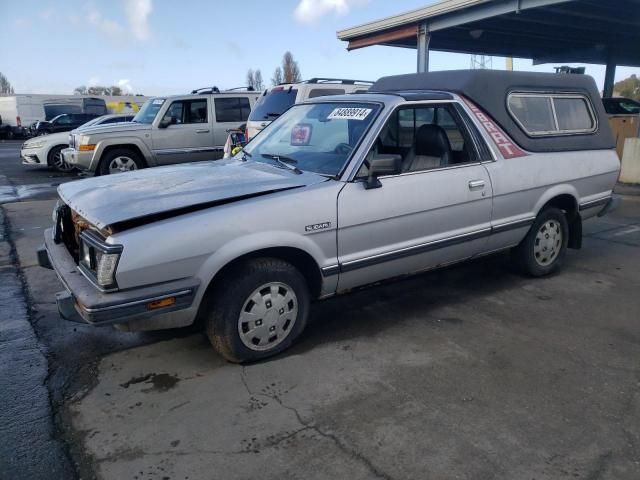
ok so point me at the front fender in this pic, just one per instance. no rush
(248, 244)
(102, 145)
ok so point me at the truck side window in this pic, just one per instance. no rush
(175, 110)
(546, 114)
(426, 137)
(232, 109)
(197, 111)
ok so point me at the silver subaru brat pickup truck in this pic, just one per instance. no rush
(424, 170)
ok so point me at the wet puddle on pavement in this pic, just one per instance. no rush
(20, 192)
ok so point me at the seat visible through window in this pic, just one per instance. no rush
(431, 150)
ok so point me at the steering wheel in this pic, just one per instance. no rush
(343, 148)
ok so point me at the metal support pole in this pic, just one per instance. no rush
(423, 48)
(609, 77)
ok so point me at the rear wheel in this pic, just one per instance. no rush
(543, 249)
(55, 160)
(120, 160)
(258, 310)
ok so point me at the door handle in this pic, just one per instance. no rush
(202, 131)
(476, 184)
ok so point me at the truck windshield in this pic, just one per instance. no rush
(149, 111)
(273, 104)
(318, 137)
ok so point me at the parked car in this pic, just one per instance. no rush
(621, 106)
(166, 130)
(339, 192)
(274, 101)
(47, 149)
(62, 123)
(22, 111)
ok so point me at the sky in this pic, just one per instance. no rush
(160, 47)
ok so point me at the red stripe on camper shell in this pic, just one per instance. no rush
(507, 147)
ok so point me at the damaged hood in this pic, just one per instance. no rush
(113, 199)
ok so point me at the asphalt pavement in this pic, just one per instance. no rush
(470, 372)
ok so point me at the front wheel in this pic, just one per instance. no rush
(119, 161)
(543, 249)
(56, 161)
(258, 310)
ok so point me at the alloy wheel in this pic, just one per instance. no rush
(122, 164)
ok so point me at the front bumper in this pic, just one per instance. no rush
(83, 302)
(80, 160)
(32, 156)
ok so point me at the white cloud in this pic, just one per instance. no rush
(125, 85)
(310, 11)
(93, 81)
(105, 25)
(137, 12)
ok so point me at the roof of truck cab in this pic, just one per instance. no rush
(489, 90)
(384, 97)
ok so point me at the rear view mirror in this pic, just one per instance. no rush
(380, 166)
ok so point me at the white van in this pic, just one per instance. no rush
(275, 100)
(20, 112)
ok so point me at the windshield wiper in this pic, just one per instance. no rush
(271, 114)
(284, 161)
(245, 155)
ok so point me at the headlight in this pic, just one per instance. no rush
(98, 260)
(36, 144)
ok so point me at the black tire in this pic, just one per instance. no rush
(10, 135)
(55, 161)
(122, 153)
(226, 303)
(537, 259)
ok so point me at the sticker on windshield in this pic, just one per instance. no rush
(350, 113)
(301, 134)
(158, 101)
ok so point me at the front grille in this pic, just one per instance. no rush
(72, 141)
(64, 230)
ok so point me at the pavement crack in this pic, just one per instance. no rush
(601, 465)
(307, 425)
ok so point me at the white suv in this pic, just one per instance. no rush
(275, 100)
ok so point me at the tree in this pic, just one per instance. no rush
(629, 87)
(251, 81)
(290, 69)
(97, 90)
(258, 83)
(5, 85)
(277, 76)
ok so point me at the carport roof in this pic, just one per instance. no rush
(589, 31)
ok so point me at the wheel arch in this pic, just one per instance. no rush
(50, 149)
(565, 198)
(299, 258)
(128, 143)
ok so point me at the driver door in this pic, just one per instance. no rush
(422, 217)
(189, 137)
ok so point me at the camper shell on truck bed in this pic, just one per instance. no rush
(496, 92)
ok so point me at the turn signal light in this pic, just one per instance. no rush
(87, 148)
(162, 303)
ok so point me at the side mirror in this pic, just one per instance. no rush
(381, 165)
(165, 122)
